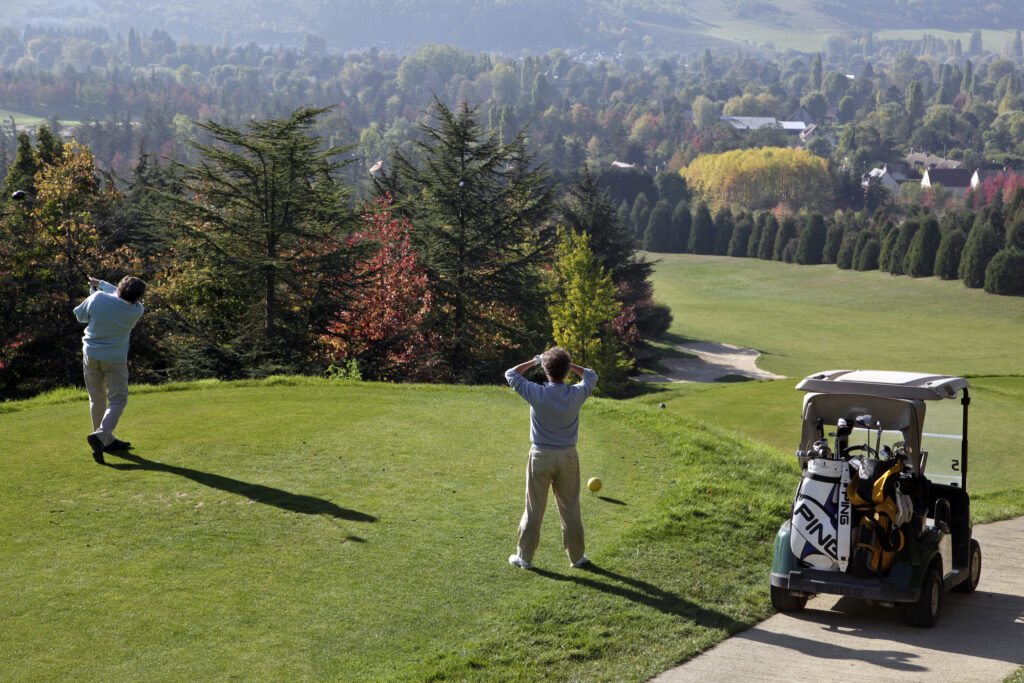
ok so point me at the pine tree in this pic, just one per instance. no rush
(754, 241)
(741, 237)
(478, 208)
(702, 231)
(658, 235)
(767, 246)
(724, 226)
(811, 244)
(982, 244)
(783, 236)
(923, 248)
(1005, 273)
(261, 217)
(947, 257)
(901, 247)
(868, 255)
(681, 222)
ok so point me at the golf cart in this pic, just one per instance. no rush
(867, 520)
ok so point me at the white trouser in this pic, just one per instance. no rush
(107, 384)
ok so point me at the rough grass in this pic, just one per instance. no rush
(307, 529)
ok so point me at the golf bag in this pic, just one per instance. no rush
(882, 507)
(815, 539)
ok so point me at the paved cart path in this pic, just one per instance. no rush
(979, 637)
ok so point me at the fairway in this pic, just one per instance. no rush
(809, 318)
(307, 529)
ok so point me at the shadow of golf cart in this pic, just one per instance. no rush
(883, 512)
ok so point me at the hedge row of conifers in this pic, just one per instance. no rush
(984, 248)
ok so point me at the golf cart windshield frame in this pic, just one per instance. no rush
(896, 399)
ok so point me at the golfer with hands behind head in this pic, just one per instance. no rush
(109, 315)
(554, 424)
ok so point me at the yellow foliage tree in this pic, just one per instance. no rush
(761, 178)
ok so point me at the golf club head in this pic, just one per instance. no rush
(18, 195)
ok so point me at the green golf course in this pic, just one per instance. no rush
(311, 529)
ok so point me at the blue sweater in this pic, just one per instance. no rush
(109, 321)
(554, 407)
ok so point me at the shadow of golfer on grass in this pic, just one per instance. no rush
(307, 505)
(644, 593)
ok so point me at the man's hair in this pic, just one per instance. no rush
(131, 288)
(555, 362)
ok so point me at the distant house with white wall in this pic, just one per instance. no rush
(956, 181)
(885, 178)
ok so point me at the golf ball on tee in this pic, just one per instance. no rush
(594, 484)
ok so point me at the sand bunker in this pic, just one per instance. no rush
(714, 362)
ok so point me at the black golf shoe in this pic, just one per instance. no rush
(97, 448)
(117, 445)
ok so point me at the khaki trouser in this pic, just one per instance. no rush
(107, 384)
(559, 469)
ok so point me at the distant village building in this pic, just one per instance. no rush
(748, 123)
(885, 179)
(956, 181)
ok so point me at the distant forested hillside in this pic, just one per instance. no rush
(509, 26)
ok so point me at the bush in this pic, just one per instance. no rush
(724, 226)
(898, 254)
(658, 234)
(982, 244)
(811, 245)
(920, 261)
(947, 258)
(844, 259)
(833, 243)
(785, 233)
(740, 242)
(867, 258)
(702, 231)
(1005, 273)
(767, 245)
(681, 220)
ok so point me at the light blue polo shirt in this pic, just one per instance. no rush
(109, 321)
(554, 407)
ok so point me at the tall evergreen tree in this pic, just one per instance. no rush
(479, 209)
(811, 246)
(741, 237)
(261, 216)
(947, 257)
(658, 235)
(923, 247)
(785, 233)
(682, 219)
(702, 231)
(724, 226)
(982, 244)
(586, 209)
(767, 246)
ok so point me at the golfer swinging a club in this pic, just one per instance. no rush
(109, 314)
(554, 423)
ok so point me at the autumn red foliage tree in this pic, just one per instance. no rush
(382, 326)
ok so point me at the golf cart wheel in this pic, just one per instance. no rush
(784, 600)
(925, 612)
(973, 572)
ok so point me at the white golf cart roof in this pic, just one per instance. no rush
(884, 384)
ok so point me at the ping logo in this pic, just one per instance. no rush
(815, 531)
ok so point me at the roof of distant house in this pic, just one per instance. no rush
(948, 177)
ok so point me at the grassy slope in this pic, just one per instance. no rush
(308, 529)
